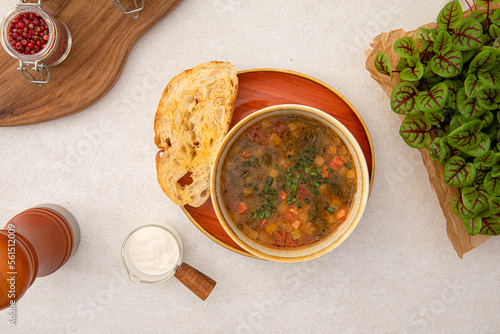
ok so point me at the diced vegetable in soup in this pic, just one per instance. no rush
(288, 181)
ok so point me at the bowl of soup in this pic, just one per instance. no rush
(289, 183)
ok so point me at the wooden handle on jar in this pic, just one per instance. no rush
(199, 283)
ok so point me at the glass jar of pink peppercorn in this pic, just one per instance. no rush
(35, 38)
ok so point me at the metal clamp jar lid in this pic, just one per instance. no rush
(134, 11)
(45, 41)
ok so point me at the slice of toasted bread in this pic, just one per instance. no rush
(192, 119)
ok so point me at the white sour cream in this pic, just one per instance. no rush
(153, 250)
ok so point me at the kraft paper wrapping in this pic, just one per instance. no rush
(460, 239)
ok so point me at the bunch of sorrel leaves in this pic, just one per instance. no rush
(450, 96)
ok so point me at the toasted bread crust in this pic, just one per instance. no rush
(192, 119)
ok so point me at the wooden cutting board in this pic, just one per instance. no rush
(102, 39)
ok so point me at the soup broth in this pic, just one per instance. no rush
(288, 181)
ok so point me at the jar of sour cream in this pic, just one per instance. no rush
(152, 253)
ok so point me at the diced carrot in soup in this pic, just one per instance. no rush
(336, 163)
(242, 207)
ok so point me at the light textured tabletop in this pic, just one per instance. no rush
(397, 272)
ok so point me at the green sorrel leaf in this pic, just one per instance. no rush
(404, 99)
(415, 131)
(447, 65)
(450, 16)
(383, 64)
(434, 100)
(458, 172)
(467, 35)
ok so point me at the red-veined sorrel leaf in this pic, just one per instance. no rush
(402, 64)
(489, 158)
(450, 16)
(412, 73)
(383, 64)
(475, 199)
(492, 184)
(406, 47)
(423, 36)
(447, 65)
(472, 86)
(495, 18)
(481, 171)
(488, 98)
(466, 137)
(495, 171)
(494, 31)
(484, 3)
(494, 204)
(469, 108)
(491, 225)
(490, 79)
(433, 100)
(442, 44)
(434, 117)
(457, 121)
(487, 119)
(453, 88)
(440, 150)
(415, 131)
(473, 225)
(404, 99)
(459, 208)
(496, 43)
(482, 147)
(430, 77)
(467, 35)
(478, 15)
(458, 172)
(484, 61)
